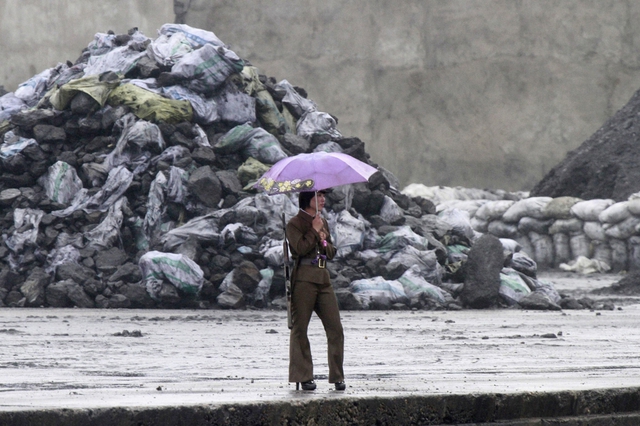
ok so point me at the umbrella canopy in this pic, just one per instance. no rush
(314, 172)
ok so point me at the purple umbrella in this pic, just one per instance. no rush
(314, 172)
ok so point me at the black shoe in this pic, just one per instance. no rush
(308, 386)
(340, 386)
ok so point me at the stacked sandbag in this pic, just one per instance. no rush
(556, 232)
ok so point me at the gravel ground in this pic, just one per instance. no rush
(76, 358)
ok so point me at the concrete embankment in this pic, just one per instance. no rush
(600, 407)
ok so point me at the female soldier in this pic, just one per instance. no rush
(311, 247)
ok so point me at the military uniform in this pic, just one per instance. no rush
(312, 292)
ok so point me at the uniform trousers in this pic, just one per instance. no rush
(307, 298)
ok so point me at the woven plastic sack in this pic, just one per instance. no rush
(177, 269)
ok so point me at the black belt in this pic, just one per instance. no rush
(320, 263)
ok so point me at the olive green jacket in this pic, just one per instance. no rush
(304, 243)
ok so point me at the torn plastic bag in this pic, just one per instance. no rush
(235, 106)
(235, 139)
(512, 286)
(269, 115)
(231, 296)
(249, 215)
(61, 256)
(249, 79)
(273, 206)
(207, 68)
(167, 49)
(402, 237)
(91, 85)
(196, 36)
(177, 188)
(138, 141)
(330, 146)
(264, 147)
(66, 239)
(415, 284)
(162, 190)
(155, 208)
(371, 238)
(107, 233)
(32, 90)
(320, 123)
(177, 269)
(119, 60)
(457, 253)
(366, 255)
(251, 142)
(292, 99)
(150, 106)
(171, 154)
(341, 197)
(61, 183)
(271, 250)
(347, 232)
(26, 223)
(117, 184)
(9, 105)
(205, 110)
(425, 261)
(390, 211)
(202, 228)
(290, 120)
(260, 296)
(201, 138)
(14, 144)
(101, 44)
(238, 233)
(377, 293)
(65, 75)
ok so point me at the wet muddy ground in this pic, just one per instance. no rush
(76, 358)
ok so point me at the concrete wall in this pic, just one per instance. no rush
(476, 93)
(38, 34)
(486, 93)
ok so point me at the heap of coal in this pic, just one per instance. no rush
(127, 176)
(605, 166)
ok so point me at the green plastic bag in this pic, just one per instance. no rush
(149, 106)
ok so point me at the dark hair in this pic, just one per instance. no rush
(304, 199)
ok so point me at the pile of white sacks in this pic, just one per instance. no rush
(569, 233)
